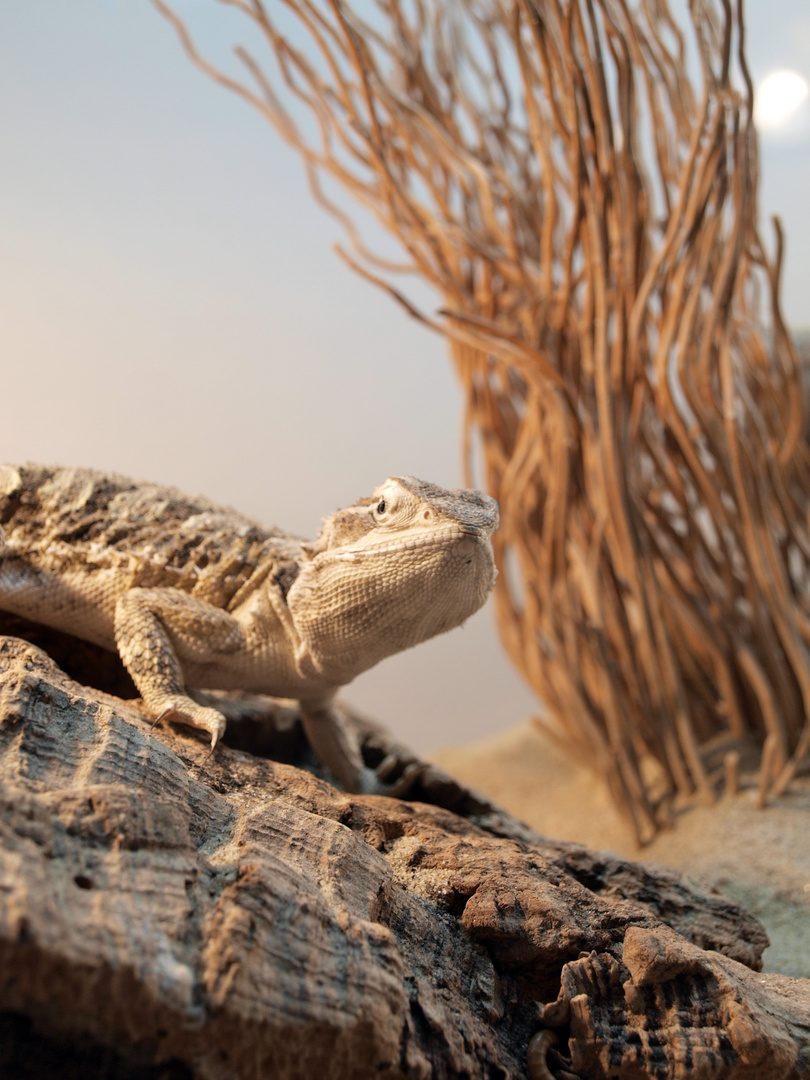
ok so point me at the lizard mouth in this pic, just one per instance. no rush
(423, 540)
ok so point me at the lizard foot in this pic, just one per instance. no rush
(375, 781)
(186, 711)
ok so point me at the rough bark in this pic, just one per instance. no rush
(179, 914)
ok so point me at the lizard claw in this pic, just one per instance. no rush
(162, 716)
(373, 781)
(403, 784)
(386, 766)
(216, 725)
(197, 716)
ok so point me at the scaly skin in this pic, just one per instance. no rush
(195, 595)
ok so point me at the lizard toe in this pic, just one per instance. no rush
(217, 732)
(186, 711)
(375, 782)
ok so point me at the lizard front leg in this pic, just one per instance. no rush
(332, 741)
(338, 749)
(155, 630)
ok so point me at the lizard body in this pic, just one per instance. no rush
(193, 595)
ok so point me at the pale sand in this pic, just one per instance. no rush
(759, 858)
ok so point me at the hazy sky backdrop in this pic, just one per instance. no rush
(170, 307)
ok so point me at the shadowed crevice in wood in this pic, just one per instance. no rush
(81, 660)
(26, 1054)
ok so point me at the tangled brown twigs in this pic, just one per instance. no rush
(577, 179)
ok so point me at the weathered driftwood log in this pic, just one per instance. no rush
(230, 916)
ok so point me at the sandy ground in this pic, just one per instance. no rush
(759, 858)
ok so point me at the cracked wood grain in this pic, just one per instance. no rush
(239, 917)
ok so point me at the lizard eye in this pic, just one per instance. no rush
(381, 506)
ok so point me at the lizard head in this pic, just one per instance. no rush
(409, 562)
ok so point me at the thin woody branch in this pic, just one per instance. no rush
(587, 217)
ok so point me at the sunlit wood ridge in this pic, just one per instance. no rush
(586, 212)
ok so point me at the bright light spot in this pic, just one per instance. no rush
(778, 97)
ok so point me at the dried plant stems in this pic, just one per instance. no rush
(587, 213)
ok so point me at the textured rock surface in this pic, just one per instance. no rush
(229, 916)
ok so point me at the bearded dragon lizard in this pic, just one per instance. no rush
(193, 595)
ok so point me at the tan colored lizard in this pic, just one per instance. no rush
(195, 595)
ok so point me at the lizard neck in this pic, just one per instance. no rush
(352, 609)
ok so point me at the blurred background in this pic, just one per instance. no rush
(170, 307)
